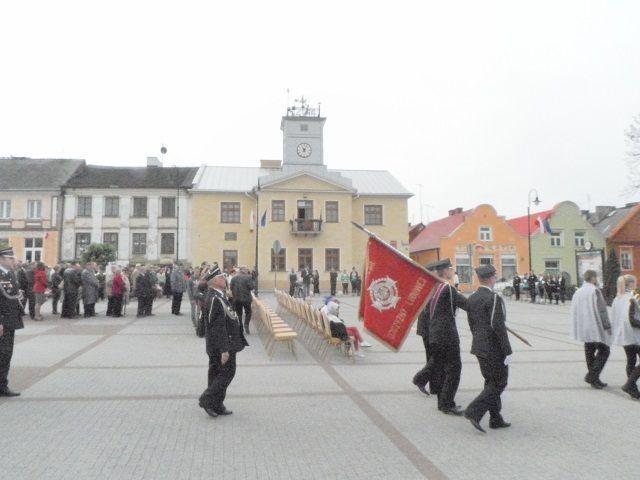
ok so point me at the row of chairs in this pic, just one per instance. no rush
(272, 329)
(314, 327)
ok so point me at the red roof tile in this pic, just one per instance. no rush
(519, 224)
(429, 237)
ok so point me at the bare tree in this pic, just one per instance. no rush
(632, 137)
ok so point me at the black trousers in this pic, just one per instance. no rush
(517, 290)
(69, 305)
(345, 288)
(596, 355)
(176, 303)
(55, 298)
(239, 307)
(532, 292)
(495, 374)
(429, 374)
(218, 380)
(145, 305)
(109, 305)
(633, 369)
(448, 367)
(89, 309)
(292, 288)
(333, 288)
(116, 305)
(6, 352)
(31, 297)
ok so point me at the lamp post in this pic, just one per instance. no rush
(536, 202)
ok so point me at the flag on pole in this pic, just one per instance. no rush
(263, 220)
(395, 291)
(544, 225)
(252, 221)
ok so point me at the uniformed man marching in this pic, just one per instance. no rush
(443, 366)
(224, 338)
(491, 346)
(10, 317)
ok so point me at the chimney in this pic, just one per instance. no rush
(153, 162)
(455, 211)
(271, 164)
(601, 212)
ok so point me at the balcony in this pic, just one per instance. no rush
(303, 226)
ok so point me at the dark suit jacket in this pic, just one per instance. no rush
(10, 310)
(241, 286)
(223, 331)
(72, 281)
(487, 323)
(442, 316)
(144, 285)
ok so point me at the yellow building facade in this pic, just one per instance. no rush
(300, 203)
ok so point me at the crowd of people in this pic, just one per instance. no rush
(543, 289)
(306, 282)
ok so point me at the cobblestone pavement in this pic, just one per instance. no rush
(107, 398)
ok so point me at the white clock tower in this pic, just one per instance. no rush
(302, 135)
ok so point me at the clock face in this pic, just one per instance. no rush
(588, 245)
(304, 150)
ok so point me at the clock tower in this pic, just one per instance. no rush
(302, 135)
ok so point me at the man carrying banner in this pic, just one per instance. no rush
(487, 315)
(438, 322)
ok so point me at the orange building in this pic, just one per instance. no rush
(471, 238)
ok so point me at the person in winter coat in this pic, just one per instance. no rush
(591, 326)
(39, 288)
(625, 315)
(90, 289)
(316, 282)
(344, 279)
(241, 287)
(118, 289)
(178, 286)
(56, 279)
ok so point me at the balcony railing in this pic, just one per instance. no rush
(303, 226)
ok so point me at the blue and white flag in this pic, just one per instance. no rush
(545, 226)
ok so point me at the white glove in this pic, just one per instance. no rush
(507, 359)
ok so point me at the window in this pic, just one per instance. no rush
(463, 268)
(139, 241)
(373, 214)
(305, 209)
(486, 259)
(304, 127)
(579, 239)
(33, 249)
(140, 207)
(278, 262)
(305, 258)
(230, 212)
(168, 209)
(84, 206)
(230, 236)
(34, 209)
(83, 240)
(111, 238)
(167, 243)
(486, 235)
(509, 266)
(5, 209)
(229, 259)
(626, 260)
(332, 259)
(277, 210)
(556, 239)
(552, 267)
(111, 206)
(332, 212)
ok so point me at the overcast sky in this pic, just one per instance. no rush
(476, 101)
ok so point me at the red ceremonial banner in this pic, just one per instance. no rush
(394, 292)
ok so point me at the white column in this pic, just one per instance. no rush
(97, 212)
(182, 228)
(68, 228)
(54, 211)
(124, 237)
(152, 234)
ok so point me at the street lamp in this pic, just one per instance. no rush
(536, 202)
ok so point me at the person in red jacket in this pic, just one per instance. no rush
(39, 288)
(117, 293)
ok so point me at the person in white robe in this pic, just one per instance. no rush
(625, 316)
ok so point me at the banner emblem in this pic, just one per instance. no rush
(384, 294)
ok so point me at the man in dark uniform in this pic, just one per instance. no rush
(532, 282)
(491, 346)
(144, 292)
(333, 281)
(10, 317)
(516, 286)
(444, 364)
(224, 339)
(293, 278)
(241, 287)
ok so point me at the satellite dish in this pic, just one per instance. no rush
(277, 247)
(163, 150)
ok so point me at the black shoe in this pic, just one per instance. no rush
(455, 410)
(210, 412)
(499, 423)
(600, 384)
(8, 393)
(420, 387)
(224, 411)
(633, 392)
(594, 383)
(476, 424)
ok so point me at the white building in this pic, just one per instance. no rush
(143, 212)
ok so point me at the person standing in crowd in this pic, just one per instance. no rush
(352, 279)
(562, 287)
(532, 283)
(90, 287)
(333, 281)
(127, 290)
(358, 284)
(516, 286)
(191, 286)
(625, 314)
(553, 289)
(591, 326)
(10, 317)
(241, 286)
(316, 282)
(71, 289)
(39, 289)
(108, 284)
(444, 362)
(56, 279)
(26, 279)
(134, 277)
(344, 279)
(177, 282)
(306, 280)
(118, 290)
(491, 346)
(224, 339)
(293, 278)
(145, 292)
